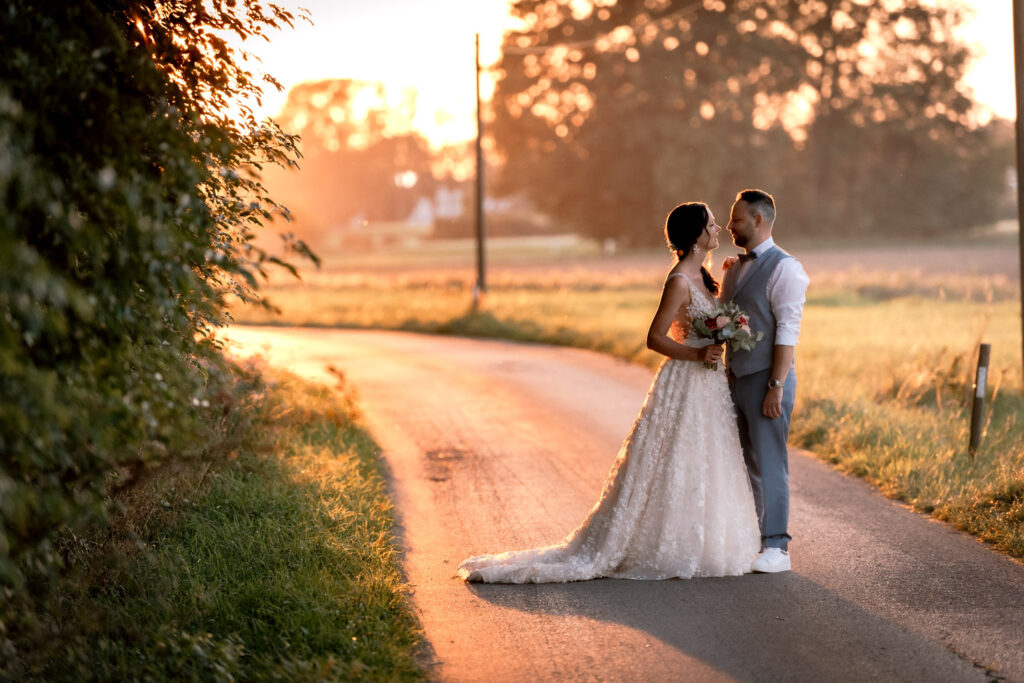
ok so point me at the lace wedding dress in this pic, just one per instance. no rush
(677, 502)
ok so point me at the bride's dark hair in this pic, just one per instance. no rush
(683, 227)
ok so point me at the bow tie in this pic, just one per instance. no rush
(747, 257)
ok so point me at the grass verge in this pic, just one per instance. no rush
(885, 369)
(272, 557)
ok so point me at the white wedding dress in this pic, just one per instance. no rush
(677, 502)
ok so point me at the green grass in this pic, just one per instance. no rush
(271, 558)
(885, 366)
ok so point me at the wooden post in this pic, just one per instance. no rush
(480, 288)
(1018, 64)
(978, 404)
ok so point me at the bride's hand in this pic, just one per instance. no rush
(729, 262)
(710, 354)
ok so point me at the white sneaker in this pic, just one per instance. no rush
(772, 560)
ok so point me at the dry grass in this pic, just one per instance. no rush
(885, 362)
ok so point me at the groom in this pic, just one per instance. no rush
(769, 285)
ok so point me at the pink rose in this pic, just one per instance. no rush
(722, 321)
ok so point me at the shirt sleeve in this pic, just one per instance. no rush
(787, 293)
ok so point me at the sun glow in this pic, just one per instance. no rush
(427, 49)
(991, 77)
(407, 45)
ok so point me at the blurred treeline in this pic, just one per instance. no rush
(362, 160)
(127, 222)
(608, 113)
(852, 113)
(368, 176)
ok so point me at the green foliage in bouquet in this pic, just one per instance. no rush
(728, 324)
(130, 201)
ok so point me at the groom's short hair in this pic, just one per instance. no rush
(760, 202)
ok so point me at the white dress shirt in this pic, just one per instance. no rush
(786, 291)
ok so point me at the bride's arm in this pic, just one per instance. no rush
(676, 295)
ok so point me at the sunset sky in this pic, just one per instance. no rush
(428, 45)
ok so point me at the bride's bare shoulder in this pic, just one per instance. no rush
(677, 285)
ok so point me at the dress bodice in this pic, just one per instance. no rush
(700, 305)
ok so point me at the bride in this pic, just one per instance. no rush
(677, 502)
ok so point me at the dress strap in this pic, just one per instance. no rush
(693, 286)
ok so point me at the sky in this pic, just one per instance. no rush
(429, 45)
(425, 44)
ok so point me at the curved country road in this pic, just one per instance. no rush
(496, 445)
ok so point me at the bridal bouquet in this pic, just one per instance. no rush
(730, 325)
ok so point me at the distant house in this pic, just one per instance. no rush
(511, 216)
(447, 214)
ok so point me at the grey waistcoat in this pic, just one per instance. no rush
(750, 296)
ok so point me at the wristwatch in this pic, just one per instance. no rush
(774, 383)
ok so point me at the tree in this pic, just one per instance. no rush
(361, 159)
(607, 114)
(893, 140)
(131, 200)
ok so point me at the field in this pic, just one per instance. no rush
(885, 362)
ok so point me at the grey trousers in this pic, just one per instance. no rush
(764, 450)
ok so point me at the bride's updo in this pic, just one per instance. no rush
(683, 227)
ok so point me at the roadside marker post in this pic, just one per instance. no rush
(1018, 69)
(978, 401)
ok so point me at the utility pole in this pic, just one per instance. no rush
(480, 288)
(1018, 69)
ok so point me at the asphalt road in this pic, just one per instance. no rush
(494, 446)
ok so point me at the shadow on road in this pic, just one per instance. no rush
(755, 627)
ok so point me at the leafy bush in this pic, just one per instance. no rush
(130, 203)
(273, 559)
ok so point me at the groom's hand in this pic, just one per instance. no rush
(772, 406)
